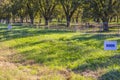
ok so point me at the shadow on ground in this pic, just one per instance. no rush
(99, 63)
(111, 75)
(21, 32)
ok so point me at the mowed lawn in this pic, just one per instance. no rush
(42, 54)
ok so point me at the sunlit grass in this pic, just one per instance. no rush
(61, 49)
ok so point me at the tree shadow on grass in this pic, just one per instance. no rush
(71, 49)
(98, 63)
(111, 75)
(21, 32)
(53, 53)
(93, 36)
(95, 40)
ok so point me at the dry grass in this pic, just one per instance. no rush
(28, 70)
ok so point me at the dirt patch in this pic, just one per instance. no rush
(29, 62)
(66, 74)
(3, 58)
(5, 52)
(14, 72)
(7, 65)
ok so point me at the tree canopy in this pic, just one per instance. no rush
(96, 10)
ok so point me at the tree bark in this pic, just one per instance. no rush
(68, 21)
(21, 19)
(111, 19)
(32, 20)
(26, 19)
(7, 20)
(13, 19)
(117, 19)
(58, 19)
(77, 20)
(46, 22)
(40, 20)
(105, 24)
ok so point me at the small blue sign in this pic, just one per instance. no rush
(9, 27)
(110, 45)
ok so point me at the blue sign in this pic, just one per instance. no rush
(9, 27)
(110, 45)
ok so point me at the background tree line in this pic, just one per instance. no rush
(71, 10)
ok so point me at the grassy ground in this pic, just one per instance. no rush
(33, 54)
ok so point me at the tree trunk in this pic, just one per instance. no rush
(21, 19)
(40, 20)
(32, 20)
(26, 19)
(76, 19)
(68, 21)
(73, 20)
(58, 19)
(7, 20)
(117, 19)
(13, 19)
(46, 22)
(111, 19)
(105, 24)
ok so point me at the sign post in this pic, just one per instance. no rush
(110, 45)
(9, 27)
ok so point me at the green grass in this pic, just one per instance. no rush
(66, 54)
